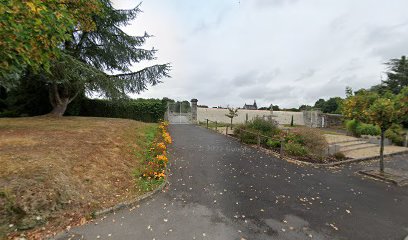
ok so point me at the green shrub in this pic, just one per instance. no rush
(258, 125)
(273, 143)
(265, 127)
(351, 126)
(396, 134)
(146, 110)
(296, 149)
(357, 128)
(339, 156)
(294, 137)
(244, 136)
(312, 139)
(367, 129)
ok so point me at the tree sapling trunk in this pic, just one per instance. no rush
(382, 151)
(231, 124)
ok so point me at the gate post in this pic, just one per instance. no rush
(194, 110)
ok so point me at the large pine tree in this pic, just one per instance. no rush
(89, 55)
(397, 75)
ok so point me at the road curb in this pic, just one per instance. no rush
(133, 201)
(401, 183)
(291, 160)
(120, 206)
(364, 159)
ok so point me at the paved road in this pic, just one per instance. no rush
(222, 190)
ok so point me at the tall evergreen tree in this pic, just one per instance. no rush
(89, 54)
(397, 75)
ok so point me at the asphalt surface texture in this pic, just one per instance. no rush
(221, 189)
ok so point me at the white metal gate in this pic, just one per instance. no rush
(179, 112)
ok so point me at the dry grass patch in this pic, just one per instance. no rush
(55, 171)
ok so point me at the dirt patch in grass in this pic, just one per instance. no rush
(55, 172)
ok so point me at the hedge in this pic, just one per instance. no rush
(145, 110)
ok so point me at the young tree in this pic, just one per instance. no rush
(370, 107)
(231, 114)
(382, 113)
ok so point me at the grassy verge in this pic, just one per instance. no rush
(152, 170)
(56, 172)
(212, 124)
(145, 184)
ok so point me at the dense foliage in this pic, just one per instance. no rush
(397, 75)
(382, 110)
(31, 32)
(305, 143)
(78, 43)
(332, 105)
(16, 105)
(146, 110)
(357, 128)
(396, 134)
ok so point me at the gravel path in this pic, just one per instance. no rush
(220, 189)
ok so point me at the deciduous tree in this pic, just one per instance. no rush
(232, 112)
(380, 110)
(31, 33)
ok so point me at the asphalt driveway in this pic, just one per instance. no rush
(220, 189)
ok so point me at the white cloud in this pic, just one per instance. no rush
(286, 52)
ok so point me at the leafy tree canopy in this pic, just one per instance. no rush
(92, 44)
(31, 32)
(330, 106)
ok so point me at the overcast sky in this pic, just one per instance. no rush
(281, 52)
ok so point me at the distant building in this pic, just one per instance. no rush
(251, 107)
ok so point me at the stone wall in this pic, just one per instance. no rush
(215, 114)
(317, 119)
(332, 120)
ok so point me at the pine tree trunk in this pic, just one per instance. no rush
(60, 108)
(382, 151)
(59, 102)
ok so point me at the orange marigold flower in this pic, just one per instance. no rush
(167, 138)
(161, 146)
(162, 158)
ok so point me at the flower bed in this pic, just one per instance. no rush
(153, 171)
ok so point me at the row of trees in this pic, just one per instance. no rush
(382, 105)
(70, 48)
(397, 79)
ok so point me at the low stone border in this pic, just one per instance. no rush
(120, 206)
(388, 177)
(133, 201)
(332, 164)
(362, 159)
